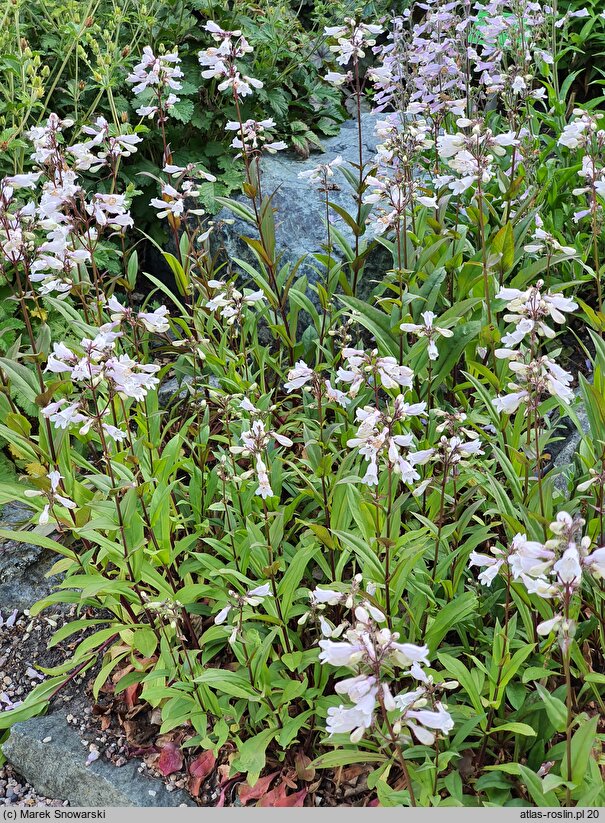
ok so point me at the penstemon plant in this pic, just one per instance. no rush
(273, 552)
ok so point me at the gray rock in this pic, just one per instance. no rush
(299, 207)
(566, 455)
(22, 566)
(57, 769)
(173, 388)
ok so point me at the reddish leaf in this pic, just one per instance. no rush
(247, 793)
(278, 797)
(303, 770)
(195, 784)
(202, 765)
(170, 760)
(199, 769)
(225, 786)
(131, 694)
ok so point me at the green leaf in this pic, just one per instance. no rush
(182, 111)
(582, 743)
(344, 757)
(145, 641)
(515, 728)
(229, 683)
(535, 788)
(458, 670)
(375, 321)
(251, 755)
(450, 615)
(33, 538)
(555, 708)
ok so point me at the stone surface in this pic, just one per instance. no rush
(173, 389)
(300, 228)
(22, 567)
(57, 769)
(566, 455)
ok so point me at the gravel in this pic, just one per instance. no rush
(16, 791)
(23, 649)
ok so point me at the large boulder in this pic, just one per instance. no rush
(23, 567)
(300, 208)
(51, 756)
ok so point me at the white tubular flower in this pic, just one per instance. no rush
(222, 615)
(352, 38)
(253, 597)
(129, 378)
(155, 321)
(335, 395)
(327, 596)
(528, 557)
(595, 563)
(491, 565)
(63, 416)
(255, 441)
(568, 568)
(255, 136)
(509, 403)
(407, 653)
(320, 175)
(340, 654)
(428, 330)
(342, 720)
(299, 376)
(440, 719)
(372, 370)
(24, 181)
(547, 626)
(231, 302)
(159, 73)
(258, 594)
(220, 62)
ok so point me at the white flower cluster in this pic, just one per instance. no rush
(377, 437)
(52, 495)
(154, 321)
(220, 61)
(231, 301)
(103, 147)
(544, 242)
(253, 597)
(161, 74)
(372, 370)
(321, 175)
(255, 441)
(535, 375)
(373, 651)
(255, 136)
(584, 133)
(471, 155)
(72, 224)
(351, 41)
(172, 202)
(551, 570)
(95, 365)
(428, 330)
(302, 376)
